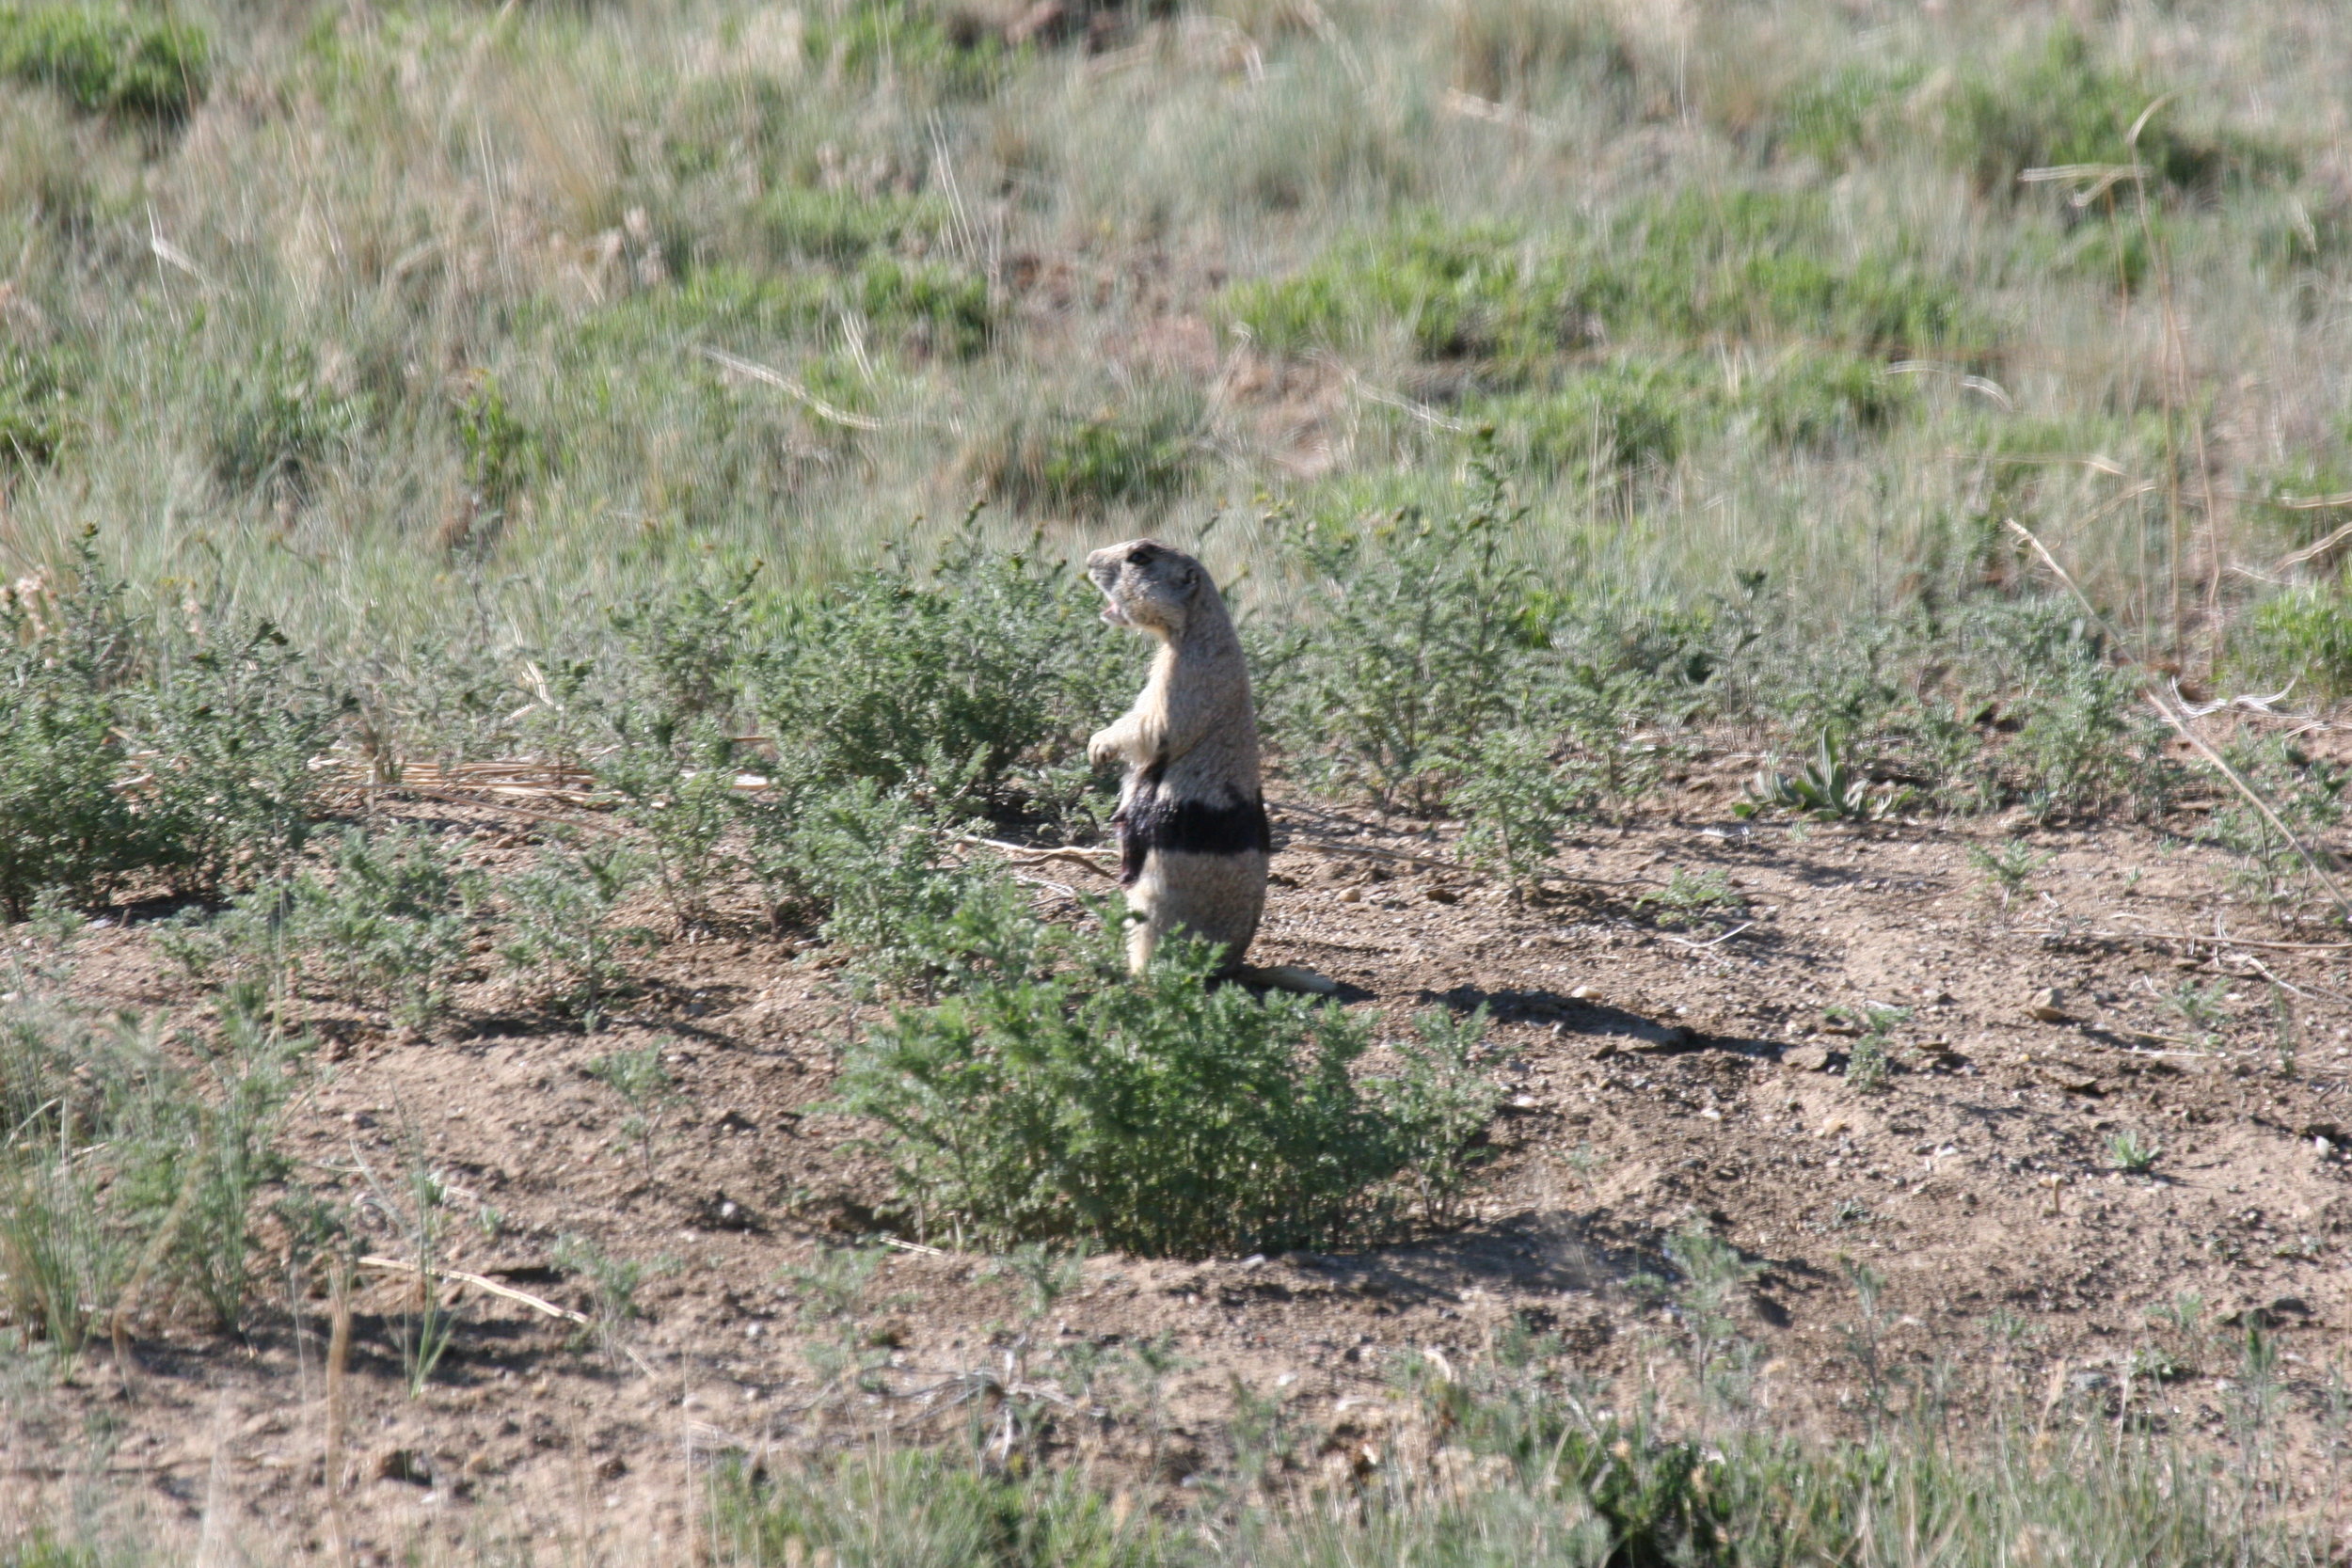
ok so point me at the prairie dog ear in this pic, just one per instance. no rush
(1188, 577)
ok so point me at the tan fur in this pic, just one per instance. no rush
(1194, 723)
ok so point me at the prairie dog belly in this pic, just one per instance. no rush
(1193, 862)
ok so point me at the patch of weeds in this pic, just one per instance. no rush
(278, 427)
(1158, 1114)
(647, 1089)
(926, 307)
(909, 41)
(119, 1167)
(1143, 450)
(1853, 111)
(2084, 744)
(36, 408)
(563, 933)
(842, 226)
(107, 61)
(1715, 1279)
(2131, 1153)
(1518, 799)
(2201, 1007)
(1691, 896)
(2059, 106)
(392, 924)
(2304, 635)
(611, 1283)
(1609, 423)
(683, 808)
(2008, 869)
(503, 457)
(1510, 49)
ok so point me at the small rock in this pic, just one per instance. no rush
(1351, 896)
(1582, 994)
(2049, 1005)
(1807, 1058)
(1445, 896)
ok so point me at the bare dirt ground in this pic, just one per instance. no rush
(1660, 1075)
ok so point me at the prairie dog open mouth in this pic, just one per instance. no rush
(1114, 614)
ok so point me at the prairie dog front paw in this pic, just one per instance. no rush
(1102, 748)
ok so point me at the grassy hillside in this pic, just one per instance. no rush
(375, 313)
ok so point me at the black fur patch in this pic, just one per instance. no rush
(1149, 820)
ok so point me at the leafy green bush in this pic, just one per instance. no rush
(994, 662)
(1055, 1099)
(2058, 105)
(393, 924)
(564, 938)
(105, 61)
(908, 40)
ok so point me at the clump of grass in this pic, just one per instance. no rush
(36, 408)
(2303, 635)
(278, 428)
(1118, 455)
(107, 61)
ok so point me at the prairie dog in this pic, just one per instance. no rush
(1193, 835)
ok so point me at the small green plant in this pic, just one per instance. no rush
(106, 61)
(36, 410)
(1826, 789)
(1409, 649)
(504, 457)
(1690, 895)
(2201, 1007)
(2131, 1153)
(1870, 1060)
(612, 1284)
(563, 934)
(2008, 869)
(1141, 451)
(647, 1089)
(279, 428)
(1518, 799)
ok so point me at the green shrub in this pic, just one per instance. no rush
(906, 40)
(1158, 1114)
(926, 307)
(1610, 422)
(105, 61)
(564, 938)
(503, 457)
(119, 1167)
(2058, 105)
(950, 682)
(393, 924)
(130, 749)
(1745, 263)
(65, 821)
(1404, 646)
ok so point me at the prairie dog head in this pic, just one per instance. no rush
(1150, 587)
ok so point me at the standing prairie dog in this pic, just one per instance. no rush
(1193, 835)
